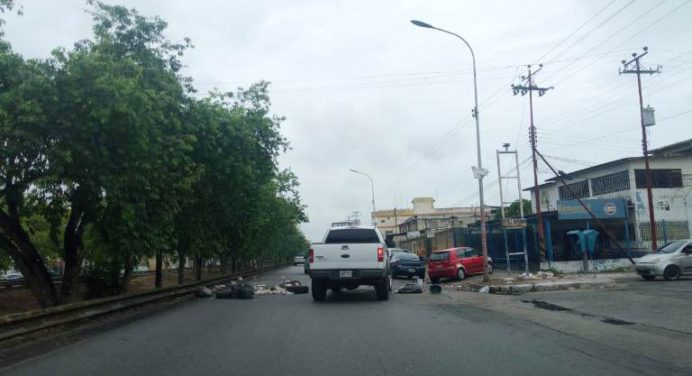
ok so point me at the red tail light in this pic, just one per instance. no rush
(380, 254)
(311, 256)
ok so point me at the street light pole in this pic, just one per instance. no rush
(478, 172)
(372, 187)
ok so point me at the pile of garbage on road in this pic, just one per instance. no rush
(288, 287)
(239, 289)
(412, 288)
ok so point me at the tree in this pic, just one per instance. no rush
(107, 160)
(512, 211)
(27, 100)
(94, 136)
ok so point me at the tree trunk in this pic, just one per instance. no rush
(181, 267)
(233, 264)
(127, 276)
(27, 259)
(223, 264)
(158, 277)
(72, 256)
(198, 267)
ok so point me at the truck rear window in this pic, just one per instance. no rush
(352, 235)
(439, 256)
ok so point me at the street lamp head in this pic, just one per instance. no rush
(422, 24)
(352, 170)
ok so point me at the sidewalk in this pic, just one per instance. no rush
(542, 281)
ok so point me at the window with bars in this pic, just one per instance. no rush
(660, 178)
(580, 189)
(616, 182)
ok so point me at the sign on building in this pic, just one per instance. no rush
(512, 223)
(601, 208)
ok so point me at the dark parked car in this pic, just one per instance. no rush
(14, 279)
(407, 265)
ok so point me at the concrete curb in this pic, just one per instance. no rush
(540, 286)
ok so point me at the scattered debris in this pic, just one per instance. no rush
(290, 283)
(224, 294)
(411, 288)
(240, 291)
(297, 289)
(484, 290)
(203, 292)
(545, 275)
(435, 289)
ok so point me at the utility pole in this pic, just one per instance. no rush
(634, 67)
(530, 87)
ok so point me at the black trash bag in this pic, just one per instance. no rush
(224, 294)
(297, 289)
(411, 288)
(243, 291)
(435, 289)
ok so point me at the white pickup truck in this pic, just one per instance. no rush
(347, 258)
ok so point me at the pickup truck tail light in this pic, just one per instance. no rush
(380, 254)
(311, 256)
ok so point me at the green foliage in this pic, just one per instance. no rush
(107, 159)
(513, 210)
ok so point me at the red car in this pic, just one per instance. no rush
(456, 263)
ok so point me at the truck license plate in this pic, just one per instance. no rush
(345, 273)
(411, 270)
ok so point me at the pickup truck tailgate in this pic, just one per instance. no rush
(346, 256)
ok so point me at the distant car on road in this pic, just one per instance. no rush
(670, 261)
(298, 259)
(456, 263)
(407, 265)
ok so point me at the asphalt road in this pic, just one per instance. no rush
(659, 303)
(354, 334)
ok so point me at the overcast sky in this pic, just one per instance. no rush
(363, 88)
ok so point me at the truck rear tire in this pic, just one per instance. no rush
(382, 289)
(319, 290)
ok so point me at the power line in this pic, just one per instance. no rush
(645, 14)
(674, 116)
(540, 59)
(588, 34)
(611, 36)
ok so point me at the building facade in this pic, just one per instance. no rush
(409, 227)
(671, 173)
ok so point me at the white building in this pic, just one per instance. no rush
(671, 171)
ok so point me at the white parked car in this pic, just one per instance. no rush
(669, 261)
